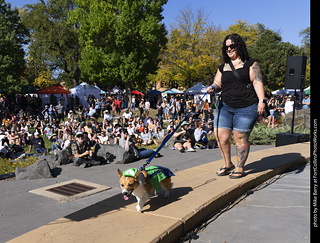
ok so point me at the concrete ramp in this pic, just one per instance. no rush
(197, 192)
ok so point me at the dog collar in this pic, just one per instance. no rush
(130, 172)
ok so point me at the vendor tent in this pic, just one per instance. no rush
(116, 90)
(83, 90)
(137, 92)
(154, 92)
(55, 90)
(101, 91)
(198, 88)
(307, 90)
(172, 91)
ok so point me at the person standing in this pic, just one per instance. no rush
(147, 107)
(60, 112)
(242, 101)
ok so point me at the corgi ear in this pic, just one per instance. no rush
(120, 173)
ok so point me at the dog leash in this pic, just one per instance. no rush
(170, 135)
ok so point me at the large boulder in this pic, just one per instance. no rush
(38, 170)
(113, 153)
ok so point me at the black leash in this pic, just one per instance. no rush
(170, 135)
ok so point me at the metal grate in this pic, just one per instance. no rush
(70, 189)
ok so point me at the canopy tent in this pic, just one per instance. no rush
(137, 92)
(101, 91)
(55, 90)
(172, 91)
(285, 92)
(116, 90)
(307, 90)
(198, 88)
(83, 90)
(154, 92)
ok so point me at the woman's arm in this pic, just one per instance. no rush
(257, 81)
(216, 83)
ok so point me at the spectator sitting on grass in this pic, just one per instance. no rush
(146, 137)
(38, 144)
(158, 134)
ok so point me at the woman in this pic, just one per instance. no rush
(272, 107)
(242, 100)
(146, 137)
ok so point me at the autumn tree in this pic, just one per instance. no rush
(192, 53)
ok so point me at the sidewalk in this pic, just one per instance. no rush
(197, 192)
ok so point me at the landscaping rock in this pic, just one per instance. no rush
(113, 153)
(38, 170)
(302, 117)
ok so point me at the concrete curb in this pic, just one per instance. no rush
(197, 193)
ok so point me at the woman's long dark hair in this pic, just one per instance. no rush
(240, 47)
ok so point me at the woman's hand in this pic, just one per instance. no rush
(261, 107)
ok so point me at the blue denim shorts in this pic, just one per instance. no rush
(238, 119)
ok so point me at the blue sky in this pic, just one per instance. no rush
(287, 16)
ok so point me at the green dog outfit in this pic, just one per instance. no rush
(156, 174)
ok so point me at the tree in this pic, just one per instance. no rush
(12, 39)
(53, 41)
(120, 39)
(192, 53)
(305, 34)
(249, 33)
(272, 54)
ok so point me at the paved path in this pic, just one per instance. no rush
(279, 212)
(23, 211)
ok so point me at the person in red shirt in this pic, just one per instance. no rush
(118, 106)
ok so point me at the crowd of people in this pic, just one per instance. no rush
(280, 106)
(24, 123)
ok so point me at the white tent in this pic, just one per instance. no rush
(83, 90)
(198, 88)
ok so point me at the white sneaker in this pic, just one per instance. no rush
(191, 150)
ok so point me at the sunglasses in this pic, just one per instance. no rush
(232, 46)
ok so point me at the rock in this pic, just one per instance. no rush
(60, 158)
(38, 170)
(113, 153)
(302, 117)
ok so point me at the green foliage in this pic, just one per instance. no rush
(53, 41)
(272, 54)
(120, 40)
(192, 53)
(12, 39)
(262, 135)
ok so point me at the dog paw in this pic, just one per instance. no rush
(138, 208)
(166, 194)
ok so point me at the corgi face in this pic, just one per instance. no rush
(128, 184)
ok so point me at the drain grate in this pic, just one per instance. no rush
(70, 189)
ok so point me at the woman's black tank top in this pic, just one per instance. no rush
(236, 93)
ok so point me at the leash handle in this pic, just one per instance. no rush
(169, 136)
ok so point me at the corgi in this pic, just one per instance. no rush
(143, 183)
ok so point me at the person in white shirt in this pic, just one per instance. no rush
(147, 107)
(103, 139)
(288, 107)
(133, 103)
(127, 116)
(107, 115)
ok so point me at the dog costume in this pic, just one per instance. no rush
(156, 174)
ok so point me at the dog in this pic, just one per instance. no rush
(143, 183)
